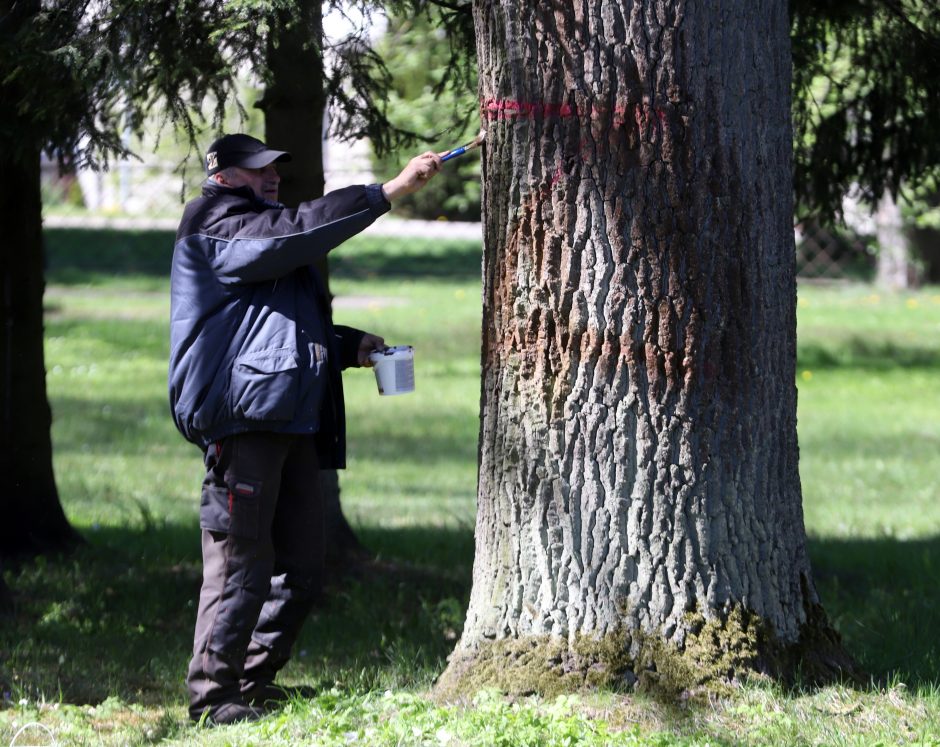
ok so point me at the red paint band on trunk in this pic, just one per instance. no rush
(509, 109)
(495, 109)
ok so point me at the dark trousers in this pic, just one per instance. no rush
(262, 552)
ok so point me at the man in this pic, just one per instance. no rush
(255, 381)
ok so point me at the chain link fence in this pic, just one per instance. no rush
(825, 254)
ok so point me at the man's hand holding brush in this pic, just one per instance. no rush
(413, 177)
(421, 168)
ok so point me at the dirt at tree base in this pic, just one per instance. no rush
(715, 657)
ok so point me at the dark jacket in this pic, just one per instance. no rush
(252, 344)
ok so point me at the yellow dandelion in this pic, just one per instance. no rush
(806, 375)
(912, 303)
(460, 293)
(802, 303)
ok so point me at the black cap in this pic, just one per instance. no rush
(241, 150)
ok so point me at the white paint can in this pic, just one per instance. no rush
(394, 369)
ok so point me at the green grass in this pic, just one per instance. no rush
(99, 646)
(869, 421)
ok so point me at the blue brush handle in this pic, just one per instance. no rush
(454, 153)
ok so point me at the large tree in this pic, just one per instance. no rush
(639, 503)
(71, 77)
(33, 520)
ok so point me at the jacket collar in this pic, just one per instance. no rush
(211, 188)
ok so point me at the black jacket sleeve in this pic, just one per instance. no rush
(347, 343)
(272, 243)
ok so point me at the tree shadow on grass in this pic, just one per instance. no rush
(116, 618)
(863, 354)
(74, 255)
(80, 256)
(455, 262)
(881, 595)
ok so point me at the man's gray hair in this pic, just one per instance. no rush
(229, 173)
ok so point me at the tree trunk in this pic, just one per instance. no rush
(33, 520)
(896, 268)
(639, 503)
(294, 99)
(293, 106)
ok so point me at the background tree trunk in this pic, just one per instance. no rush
(639, 506)
(294, 99)
(293, 106)
(896, 268)
(33, 520)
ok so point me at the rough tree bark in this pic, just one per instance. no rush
(33, 520)
(639, 504)
(293, 105)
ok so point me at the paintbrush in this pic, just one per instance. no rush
(475, 143)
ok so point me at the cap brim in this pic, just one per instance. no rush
(262, 158)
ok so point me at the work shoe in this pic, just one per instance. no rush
(262, 694)
(235, 712)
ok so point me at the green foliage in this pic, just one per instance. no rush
(866, 102)
(74, 75)
(422, 100)
(452, 21)
(921, 206)
(359, 79)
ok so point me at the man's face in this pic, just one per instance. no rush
(263, 182)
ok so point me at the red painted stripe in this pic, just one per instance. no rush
(509, 109)
(498, 109)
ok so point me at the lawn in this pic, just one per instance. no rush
(98, 649)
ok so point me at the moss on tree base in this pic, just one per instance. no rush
(714, 655)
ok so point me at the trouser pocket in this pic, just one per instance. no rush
(232, 496)
(231, 509)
